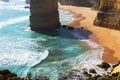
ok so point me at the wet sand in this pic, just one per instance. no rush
(107, 38)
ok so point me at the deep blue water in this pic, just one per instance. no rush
(23, 50)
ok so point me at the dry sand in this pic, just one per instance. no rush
(108, 38)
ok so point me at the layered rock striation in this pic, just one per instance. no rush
(44, 15)
(109, 14)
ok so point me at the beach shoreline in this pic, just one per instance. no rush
(85, 20)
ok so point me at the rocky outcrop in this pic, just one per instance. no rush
(44, 14)
(7, 75)
(109, 14)
(88, 3)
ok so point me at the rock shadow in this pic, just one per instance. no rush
(68, 32)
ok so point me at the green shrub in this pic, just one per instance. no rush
(103, 78)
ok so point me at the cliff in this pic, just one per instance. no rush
(87, 3)
(109, 14)
(44, 14)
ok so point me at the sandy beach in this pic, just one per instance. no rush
(108, 38)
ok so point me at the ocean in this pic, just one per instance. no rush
(23, 51)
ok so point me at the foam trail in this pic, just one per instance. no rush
(27, 58)
(13, 6)
(88, 60)
(43, 55)
(13, 21)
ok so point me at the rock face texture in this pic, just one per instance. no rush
(109, 14)
(44, 14)
(88, 3)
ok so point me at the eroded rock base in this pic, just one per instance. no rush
(109, 14)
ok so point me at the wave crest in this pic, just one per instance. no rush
(27, 58)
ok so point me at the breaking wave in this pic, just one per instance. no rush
(13, 21)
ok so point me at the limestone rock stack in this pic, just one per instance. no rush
(44, 14)
(109, 14)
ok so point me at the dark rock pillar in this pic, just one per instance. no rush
(109, 14)
(44, 15)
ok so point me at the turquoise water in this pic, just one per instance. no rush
(23, 51)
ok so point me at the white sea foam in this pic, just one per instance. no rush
(89, 59)
(13, 21)
(93, 44)
(14, 5)
(19, 7)
(65, 17)
(28, 29)
(26, 58)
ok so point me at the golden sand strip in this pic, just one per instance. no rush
(108, 38)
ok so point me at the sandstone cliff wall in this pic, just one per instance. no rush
(109, 14)
(44, 14)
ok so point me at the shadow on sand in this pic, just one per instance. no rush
(68, 32)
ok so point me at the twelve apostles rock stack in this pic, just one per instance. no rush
(44, 14)
(109, 14)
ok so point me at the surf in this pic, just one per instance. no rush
(13, 21)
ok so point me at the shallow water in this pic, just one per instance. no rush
(23, 51)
